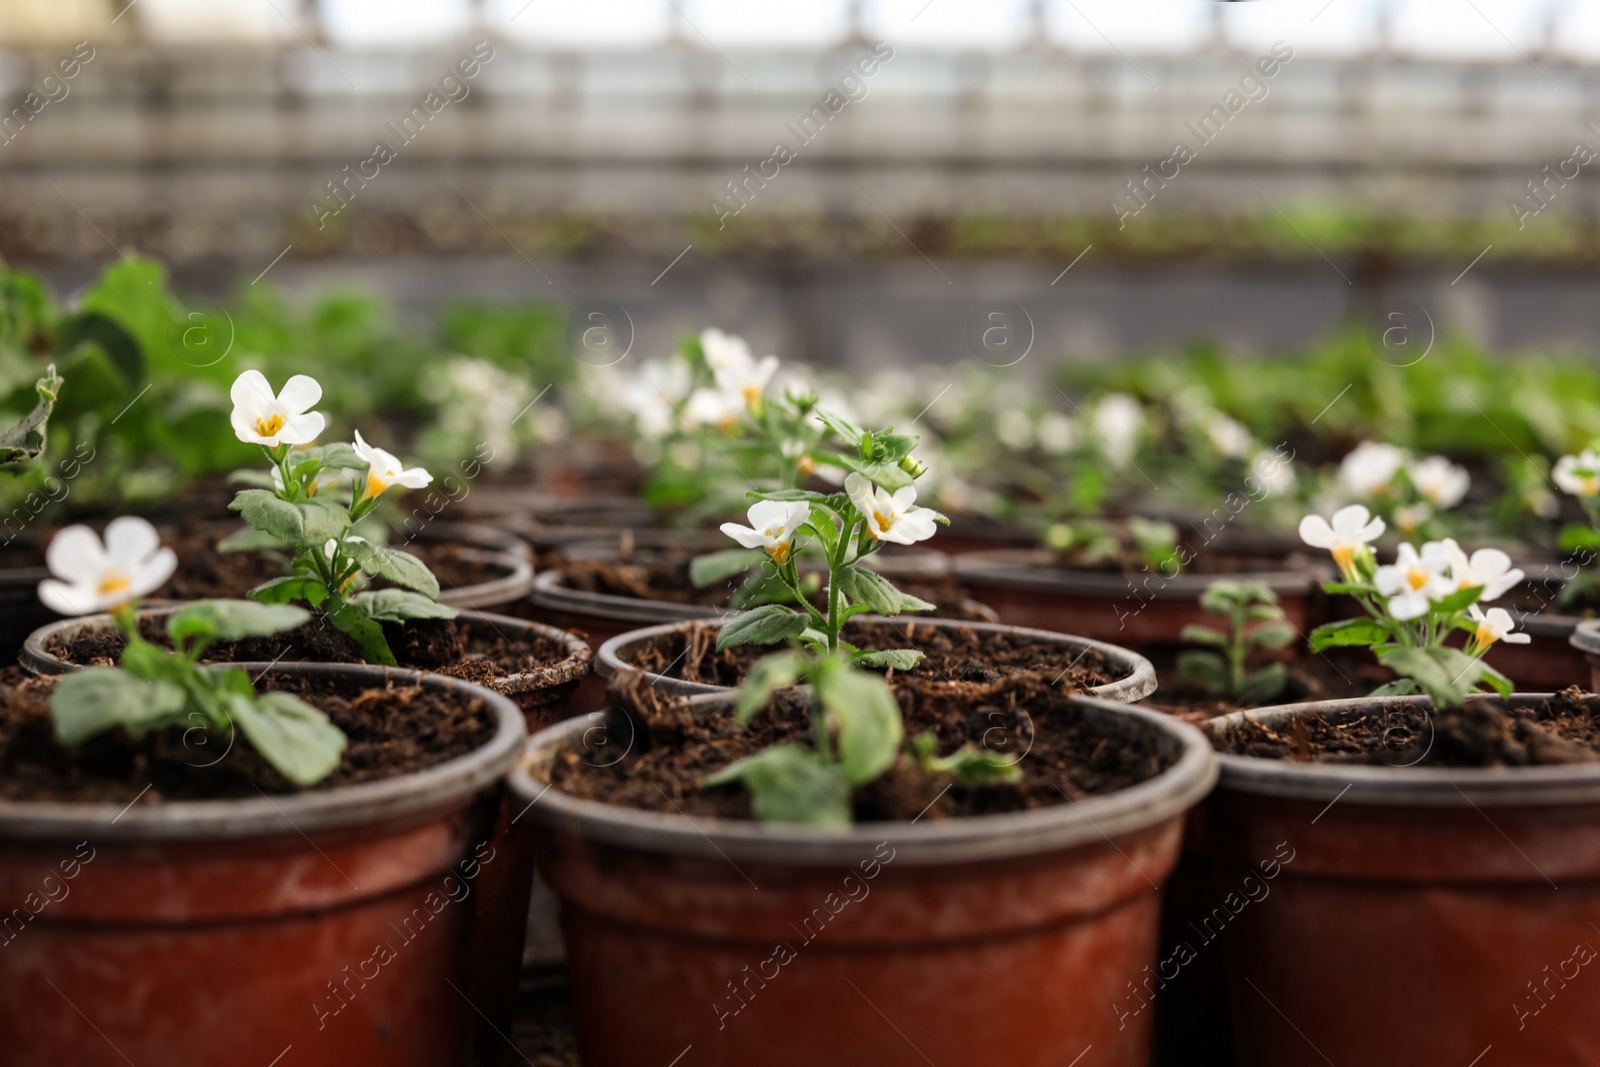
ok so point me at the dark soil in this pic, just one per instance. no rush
(674, 749)
(1310, 677)
(668, 581)
(1564, 729)
(444, 646)
(1205, 561)
(390, 731)
(204, 573)
(951, 656)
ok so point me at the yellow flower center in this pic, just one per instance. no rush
(1484, 636)
(727, 423)
(268, 426)
(884, 522)
(1591, 485)
(375, 484)
(807, 466)
(779, 553)
(114, 582)
(1416, 578)
(752, 394)
(1344, 556)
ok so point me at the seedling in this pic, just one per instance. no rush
(1253, 621)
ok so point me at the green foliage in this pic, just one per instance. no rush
(1254, 622)
(155, 690)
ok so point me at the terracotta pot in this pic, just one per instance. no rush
(1150, 610)
(501, 908)
(1001, 939)
(1414, 916)
(1136, 677)
(231, 931)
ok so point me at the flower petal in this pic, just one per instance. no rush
(130, 542)
(76, 555)
(68, 598)
(252, 392)
(862, 493)
(154, 574)
(302, 429)
(300, 394)
(1315, 531)
(746, 537)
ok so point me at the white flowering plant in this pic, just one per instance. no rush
(1578, 475)
(1409, 492)
(158, 688)
(857, 723)
(1415, 605)
(310, 502)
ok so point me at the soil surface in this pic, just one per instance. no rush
(204, 573)
(1205, 561)
(390, 731)
(1062, 755)
(951, 656)
(1484, 733)
(444, 646)
(668, 581)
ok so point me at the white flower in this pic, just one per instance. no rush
(1352, 529)
(772, 527)
(91, 577)
(1057, 433)
(1440, 482)
(1276, 473)
(1370, 467)
(1119, 418)
(653, 395)
(1014, 430)
(1578, 475)
(1408, 518)
(1487, 567)
(715, 407)
(384, 470)
(262, 418)
(1412, 582)
(890, 517)
(1495, 625)
(723, 350)
(1230, 439)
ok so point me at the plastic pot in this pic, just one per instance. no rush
(1148, 610)
(230, 931)
(1415, 916)
(1136, 676)
(488, 545)
(1000, 939)
(1585, 639)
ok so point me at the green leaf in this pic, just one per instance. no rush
(89, 701)
(971, 766)
(1349, 632)
(714, 567)
(1272, 635)
(1576, 538)
(339, 454)
(1264, 685)
(303, 525)
(232, 619)
(1194, 634)
(899, 659)
(769, 673)
(877, 592)
(27, 439)
(847, 430)
(248, 540)
(399, 605)
(291, 587)
(766, 625)
(401, 568)
(1460, 600)
(290, 734)
(1445, 674)
(867, 719)
(1204, 668)
(1400, 687)
(1497, 681)
(1350, 588)
(789, 784)
(368, 634)
(833, 500)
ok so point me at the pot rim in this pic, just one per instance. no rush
(1010, 568)
(1585, 634)
(35, 658)
(1430, 787)
(1138, 683)
(269, 816)
(485, 543)
(966, 839)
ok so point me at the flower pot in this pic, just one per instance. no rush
(1414, 916)
(1550, 662)
(603, 616)
(996, 939)
(1147, 610)
(20, 610)
(234, 930)
(1136, 677)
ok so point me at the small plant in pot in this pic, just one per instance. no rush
(824, 612)
(1428, 827)
(282, 835)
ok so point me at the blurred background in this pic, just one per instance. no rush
(691, 162)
